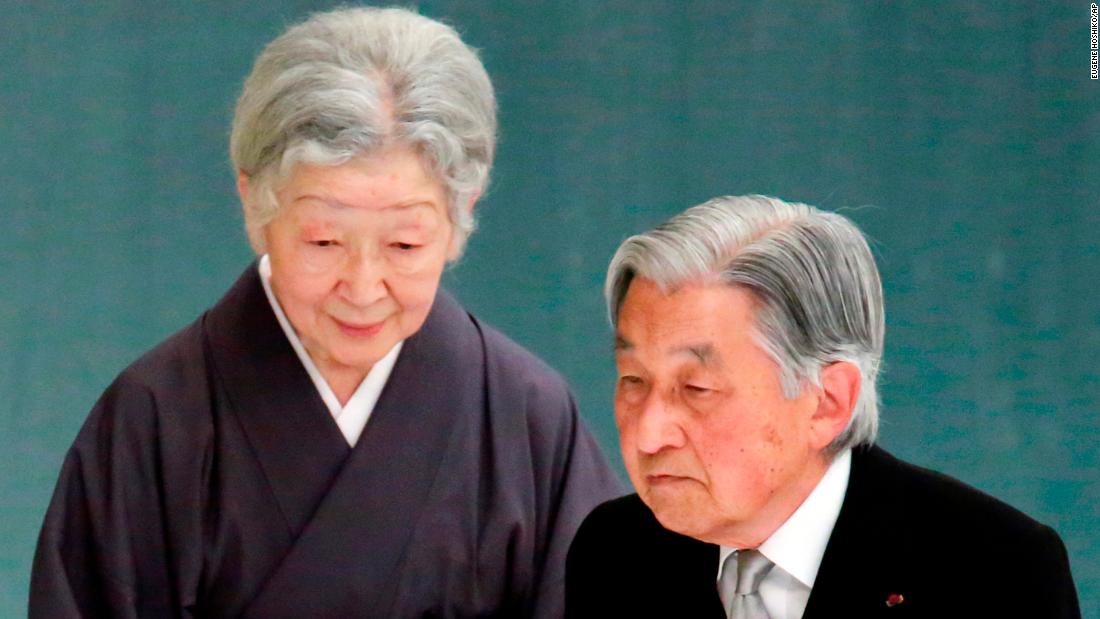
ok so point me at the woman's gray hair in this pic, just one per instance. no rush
(811, 272)
(351, 82)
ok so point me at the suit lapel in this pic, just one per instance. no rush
(866, 559)
(699, 569)
(677, 574)
(298, 444)
(346, 561)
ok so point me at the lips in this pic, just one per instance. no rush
(658, 479)
(356, 329)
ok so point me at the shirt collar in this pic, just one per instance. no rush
(798, 545)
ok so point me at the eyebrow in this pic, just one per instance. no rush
(704, 353)
(415, 202)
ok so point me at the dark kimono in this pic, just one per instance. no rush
(211, 481)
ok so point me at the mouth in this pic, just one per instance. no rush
(360, 330)
(663, 479)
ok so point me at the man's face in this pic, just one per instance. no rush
(710, 442)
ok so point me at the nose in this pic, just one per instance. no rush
(363, 278)
(657, 426)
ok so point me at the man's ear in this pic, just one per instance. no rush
(473, 199)
(840, 385)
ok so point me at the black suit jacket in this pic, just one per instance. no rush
(946, 548)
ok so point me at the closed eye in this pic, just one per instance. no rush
(404, 246)
(323, 243)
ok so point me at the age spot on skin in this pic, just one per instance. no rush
(772, 437)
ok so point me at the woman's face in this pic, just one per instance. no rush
(357, 251)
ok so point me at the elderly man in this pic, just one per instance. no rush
(748, 338)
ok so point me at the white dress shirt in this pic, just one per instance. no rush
(352, 417)
(796, 547)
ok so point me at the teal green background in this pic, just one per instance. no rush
(964, 138)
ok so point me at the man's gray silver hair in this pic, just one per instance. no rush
(351, 82)
(811, 272)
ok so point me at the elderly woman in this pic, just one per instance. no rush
(335, 437)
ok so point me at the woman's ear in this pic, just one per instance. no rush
(454, 251)
(242, 186)
(840, 385)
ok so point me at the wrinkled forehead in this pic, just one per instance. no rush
(725, 298)
(689, 319)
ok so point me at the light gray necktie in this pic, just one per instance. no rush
(742, 598)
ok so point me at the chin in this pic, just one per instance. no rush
(682, 522)
(362, 362)
(679, 514)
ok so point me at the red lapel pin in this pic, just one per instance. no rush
(894, 599)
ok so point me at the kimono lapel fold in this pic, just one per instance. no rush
(347, 560)
(298, 444)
